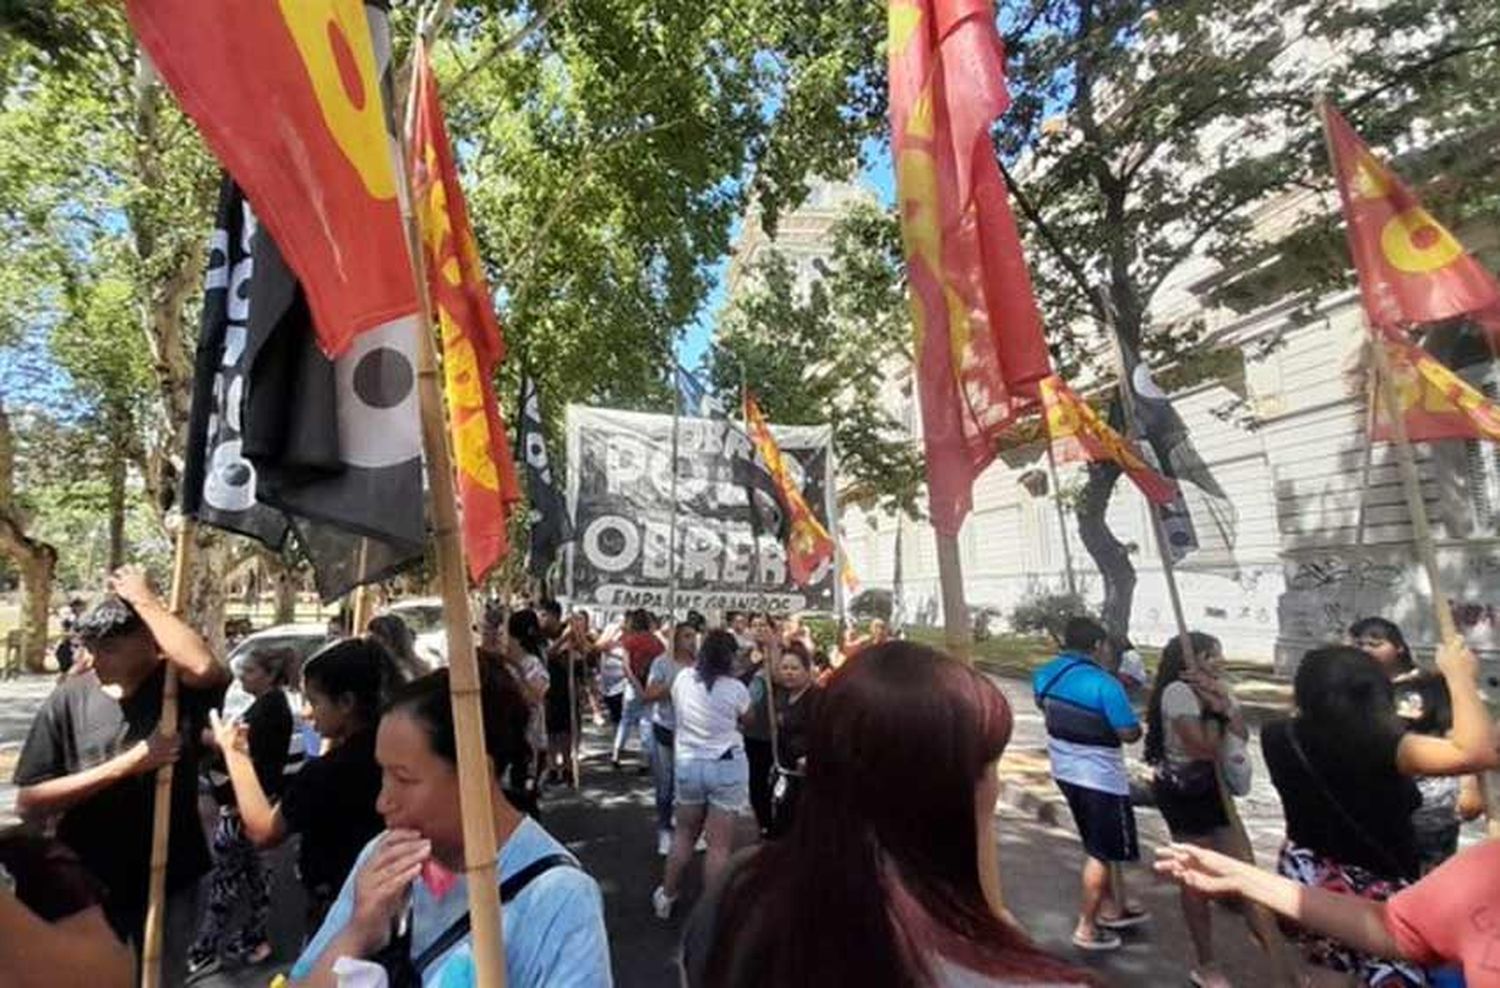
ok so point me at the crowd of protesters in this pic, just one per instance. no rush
(353, 753)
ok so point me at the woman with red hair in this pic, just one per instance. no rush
(889, 904)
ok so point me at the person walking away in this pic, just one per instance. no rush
(1423, 704)
(53, 931)
(1344, 766)
(712, 776)
(67, 646)
(1190, 718)
(330, 802)
(523, 648)
(642, 646)
(860, 892)
(1088, 719)
(90, 759)
(795, 686)
(1446, 918)
(408, 895)
(238, 875)
(612, 684)
(658, 695)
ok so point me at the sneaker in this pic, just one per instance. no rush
(664, 842)
(702, 844)
(662, 903)
(1102, 940)
(199, 968)
(1124, 921)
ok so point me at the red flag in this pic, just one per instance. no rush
(1411, 269)
(980, 350)
(288, 96)
(1436, 403)
(1080, 434)
(809, 548)
(472, 344)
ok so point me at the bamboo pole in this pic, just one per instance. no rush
(364, 596)
(161, 809)
(474, 778)
(1062, 518)
(573, 715)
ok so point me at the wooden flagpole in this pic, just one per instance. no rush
(765, 659)
(364, 597)
(161, 815)
(1062, 516)
(474, 777)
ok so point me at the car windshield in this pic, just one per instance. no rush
(420, 618)
(303, 644)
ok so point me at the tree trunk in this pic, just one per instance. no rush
(206, 578)
(288, 583)
(36, 606)
(1108, 553)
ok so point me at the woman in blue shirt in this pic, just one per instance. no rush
(410, 877)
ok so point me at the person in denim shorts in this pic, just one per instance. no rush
(712, 775)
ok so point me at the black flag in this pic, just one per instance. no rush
(1200, 524)
(284, 439)
(550, 525)
(219, 483)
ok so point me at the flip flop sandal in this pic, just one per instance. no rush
(1124, 921)
(1102, 940)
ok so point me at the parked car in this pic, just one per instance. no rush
(424, 616)
(306, 640)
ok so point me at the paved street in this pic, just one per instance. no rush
(609, 825)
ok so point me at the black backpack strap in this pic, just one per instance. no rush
(513, 886)
(509, 889)
(1047, 690)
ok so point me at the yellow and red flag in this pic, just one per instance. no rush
(1411, 269)
(1078, 433)
(979, 344)
(809, 548)
(471, 340)
(288, 96)
(1435, 402)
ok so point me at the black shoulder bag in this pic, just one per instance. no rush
(402, 970)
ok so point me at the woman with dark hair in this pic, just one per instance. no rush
(523, 648)
(238, 875)
(407, 894)
(1422, 702)
(712, 776)
(330, 803)
(1383, 641)
(397, 637)
(795, 685)
(860, 892)
(1344, 766)
(1190, 719)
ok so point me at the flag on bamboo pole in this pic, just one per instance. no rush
(550, 525)
(283, 440)
(979, 344)
(1412, 270)
(1078, 433)
(288, 97)
(472, 345)
(1435, 402)
(1200, 523)
(809, 547)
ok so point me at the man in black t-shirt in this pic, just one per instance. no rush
(91, 757)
